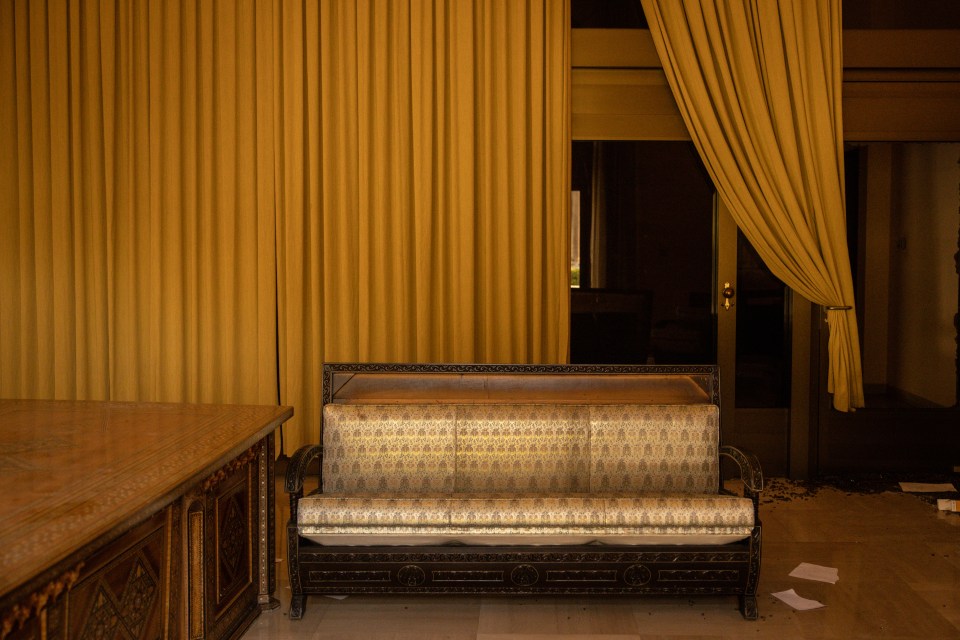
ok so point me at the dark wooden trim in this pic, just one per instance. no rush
(922, 50)
(332, 368)
(898, 85)
(731, 569)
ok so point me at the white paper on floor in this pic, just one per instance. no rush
(945, 504)
(816, 572)
(797, 602)
(927, 487)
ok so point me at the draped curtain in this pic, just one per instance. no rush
(758, 84)
(430, 221)
(136, 216)
(204, 201)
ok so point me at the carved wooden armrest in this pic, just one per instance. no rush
(296, 470)
(750, 471)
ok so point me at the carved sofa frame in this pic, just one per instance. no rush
(726, 569)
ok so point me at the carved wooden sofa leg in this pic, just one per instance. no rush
(298, 604)
(748, 600)
(293, 485)
(298, 600)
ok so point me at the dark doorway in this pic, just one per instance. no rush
(646, 265)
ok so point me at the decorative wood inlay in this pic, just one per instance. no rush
(329, 369)
(104, 618)
(753, 575)
(15, 617)
(582, 575)
(494, 555)
(411, 575)
(467, 576)
(85, 492)
(138, 597)
(524, 575)
(636, 575)
(266, 527)
(171, 569)
(230, 539)
(232, 532)
(195, 561)
(698, 575)
(230, 468)
(149, 564)
(348, 576)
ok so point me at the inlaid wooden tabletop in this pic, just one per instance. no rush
(75, 474)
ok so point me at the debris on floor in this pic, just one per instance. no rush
(927, 487)
(937, 486)
(816, 572)
(796, 601)
(945, 504)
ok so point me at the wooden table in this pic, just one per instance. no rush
(135, 519)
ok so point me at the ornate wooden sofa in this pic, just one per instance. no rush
(522, 479)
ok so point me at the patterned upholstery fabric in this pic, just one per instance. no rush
(597, 514)
(654, 448)
(532, 448)
(388, 448)
(528, 448)
(527, 470)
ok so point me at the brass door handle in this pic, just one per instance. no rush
(728, 293)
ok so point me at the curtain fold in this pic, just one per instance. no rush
(430, 223)
(758, 84)
(205, 201)
(138, 259)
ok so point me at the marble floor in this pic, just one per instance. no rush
(898, 560)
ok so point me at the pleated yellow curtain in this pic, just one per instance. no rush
(137, 213)
(758, 83)
(204, 201)
(424, 212)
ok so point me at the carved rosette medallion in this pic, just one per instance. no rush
(636, 575)
(411, 575)
(524, 575)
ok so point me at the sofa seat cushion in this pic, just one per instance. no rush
(464, 516)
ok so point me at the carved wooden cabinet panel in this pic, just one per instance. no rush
(131, 587)
(136, 520)
(192, 570)
(223, 547)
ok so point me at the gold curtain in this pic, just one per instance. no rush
(759, 85)
(137, 214)
(204, 201)
(426, 186)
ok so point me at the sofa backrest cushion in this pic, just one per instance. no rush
(655, 448)
(389, 448)
(543, 448)
(528, 448)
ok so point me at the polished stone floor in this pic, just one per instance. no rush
(898, 560)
